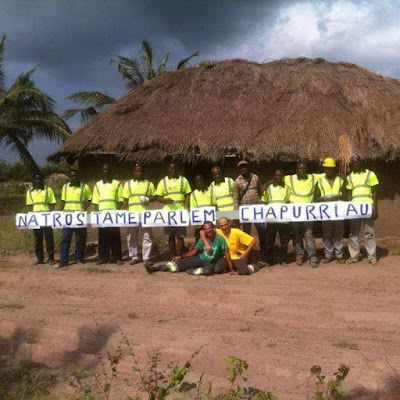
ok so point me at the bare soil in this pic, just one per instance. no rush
(281, 320)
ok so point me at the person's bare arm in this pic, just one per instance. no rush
(125, 204)
(164, 200)
(317, 194)
(87, 205)
(259, 188)
(245, 254)
(375, 200)
(205, 241)
(187, 201)
(52, 206)
(187, 255)
(62, 205)
(235, 196)
(229, 260)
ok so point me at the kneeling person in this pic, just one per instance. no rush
(199, 261)
(240, 245)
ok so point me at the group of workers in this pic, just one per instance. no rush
(227, 248)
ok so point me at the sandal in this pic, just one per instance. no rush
(351, 261)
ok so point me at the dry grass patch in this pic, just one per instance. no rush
(347, 344)
(17, 304)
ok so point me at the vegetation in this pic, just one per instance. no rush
(16, 304)
(346, 344)
(133, 71)
(26, 113)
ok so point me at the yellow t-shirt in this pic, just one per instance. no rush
(237, 242)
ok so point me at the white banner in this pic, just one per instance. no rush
(152, 218)
(114, 218)
(202, 214)
(336, 210)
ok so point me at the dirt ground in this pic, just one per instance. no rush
(281, 320)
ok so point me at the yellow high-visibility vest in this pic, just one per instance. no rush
(107, 195)
(222, 194)
(40, 199)
(276, 194)
(200, 198)
(327, 190)
(301, 190)
(175, 189)
(361, 184)
(75, 197)
(134, 189)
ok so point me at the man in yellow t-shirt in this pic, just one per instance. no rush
(240, 245)
(362, 187)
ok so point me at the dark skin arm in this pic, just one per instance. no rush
(187, 255)
(375, 200)
(245, 254)
(187, 201)
(205, 241)
(230, 263)
(164, 200)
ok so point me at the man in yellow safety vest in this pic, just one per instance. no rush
(362, 187)
(221, 190)
(174, 192)
(107, 195)
(38, 199)
(75, 196)
(200, 197)
(302, 189)
(137, 194)
(277, 193)
(331, 187)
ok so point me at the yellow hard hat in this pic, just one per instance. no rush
(329, 162)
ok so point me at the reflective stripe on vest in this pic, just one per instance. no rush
(112, 201)
(366, 191)
(275, 198)
(327, 190)
(308, 196)
(79, 202)
(134, 198)
(45, 204)
(177, 196)
(224, 198)
(203, 201)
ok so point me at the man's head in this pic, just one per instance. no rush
(301, 169)
(209, 229)
(217, 174)
(138, 171)
(38, 180)
(172, 169)
(244, 168)
(224, 225)
(278, 175)
(74, 177)
(106, 171)
(200, 182)
(355, 163)
(329, 166)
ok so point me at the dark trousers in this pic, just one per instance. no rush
(110, 244)
(241, 266)
(261, 231)
(80, 244)
(195, 266)
(284, 235)
(47, 232)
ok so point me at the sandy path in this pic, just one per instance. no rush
(281, 320)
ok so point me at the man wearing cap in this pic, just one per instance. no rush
(331, 187)
(362, 187)
(247, 190)
(302, 189)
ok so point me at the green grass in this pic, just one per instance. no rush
(7, 265)
(345, 344)
(16, 304)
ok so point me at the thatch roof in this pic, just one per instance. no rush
(289, 109)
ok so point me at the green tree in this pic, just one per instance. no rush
(26, 113)
(134, 72)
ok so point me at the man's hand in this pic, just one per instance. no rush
(176, 258)
(243, 256)
(167, 200)
(144, 199)
(234, 273)
(208, 247)
(374, 212)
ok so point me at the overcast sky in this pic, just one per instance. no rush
(72, 41)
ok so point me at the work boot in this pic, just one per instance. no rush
(341, 260)
(150, 268)
(51, 261)
(134, 261)
(314, 264)
(299, 260)
(149, 263)
(60, 265)
(38, 262)
(327, 260)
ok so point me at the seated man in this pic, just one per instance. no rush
(199, 261)
(240, 245)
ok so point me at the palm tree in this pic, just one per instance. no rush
(134, 72)
(26, 113)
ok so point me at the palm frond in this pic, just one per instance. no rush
(147, 59)
(182, 64)
(130, 71)
(93, 99)
(2, 75)
(163, 65)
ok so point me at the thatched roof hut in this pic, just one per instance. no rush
(288, 109)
